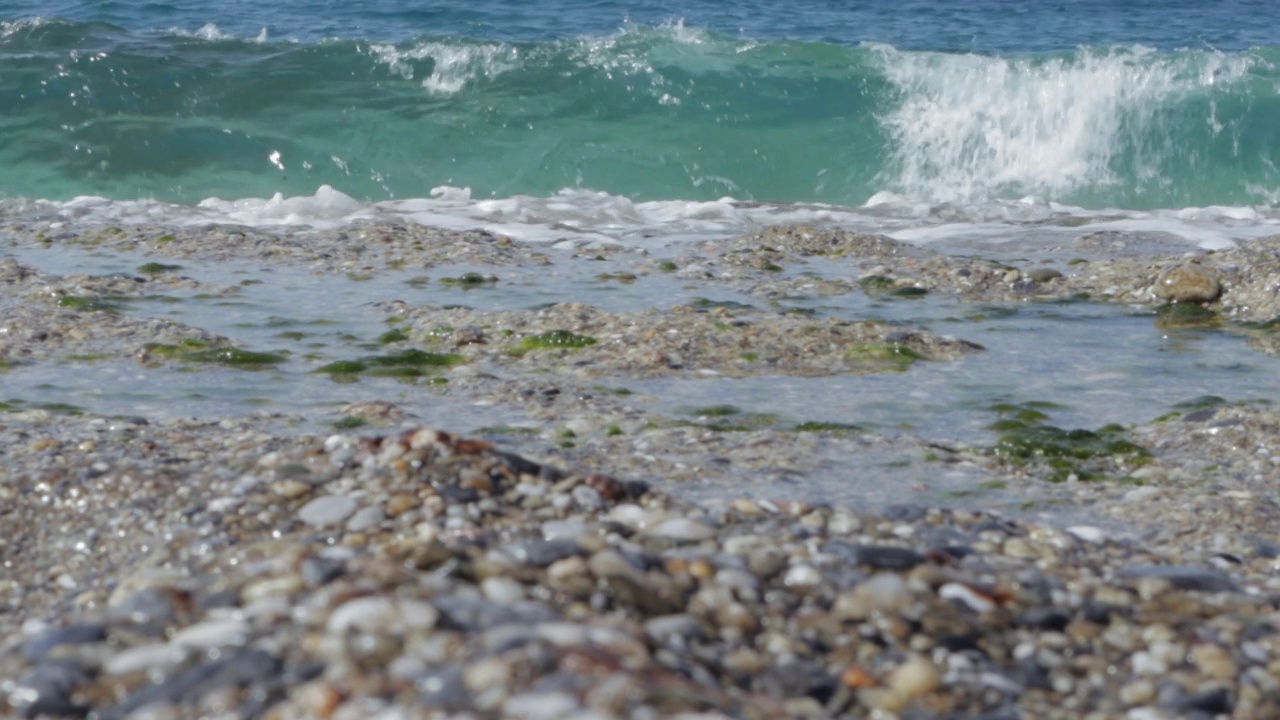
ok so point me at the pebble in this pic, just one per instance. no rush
(1188, 283)
(327, 510)
(682, 529)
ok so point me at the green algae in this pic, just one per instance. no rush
(200, 351)
(1203, 402)
(626, 278)
(410, 363)
(907, 292)
(1186, 316)
(348, 422)
(876, 283)
(708, 304)
(491, 430)
(727, 418)
(156, 268)
(882, 357)
(824, 426)
(343, 367)
(469, 280)
(89, 304)
(57, 408)
(713, 411)
(553, 340)
(1080, 453)
(668, 266)
(233, 356)
(393, 336)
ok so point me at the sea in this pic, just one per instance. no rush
(647, 117)
(985, 126)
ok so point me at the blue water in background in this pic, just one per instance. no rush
(1130, 105)
(986, 26)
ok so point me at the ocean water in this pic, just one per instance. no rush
(631, 119)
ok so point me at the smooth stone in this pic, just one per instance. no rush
(884, 592)
(540, 706)
(245, 668)
(151, 607)
(665, 628)
(966, 596)
(317, 571)
(541, 553)
(381, 614)
(1043, 275)
(914, 678)
(588, 498)
(802, 575)
(1184, 577)
(502, 590)
(881, 557)
(213, 633)
(1188, 283)
(472, 613)
(1043, 618)
(327, 510)
(156, 656)
(39, 646)
(47, 689)
(365, 518)
(682, 530)
(363, 613)
(563, 529)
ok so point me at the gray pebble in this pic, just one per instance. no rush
(327, 510)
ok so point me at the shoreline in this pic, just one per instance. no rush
(378, 567)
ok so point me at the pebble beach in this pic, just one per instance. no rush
(596, 551)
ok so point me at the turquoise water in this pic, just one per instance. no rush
(1128, 105)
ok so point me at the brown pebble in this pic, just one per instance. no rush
(1188, 283)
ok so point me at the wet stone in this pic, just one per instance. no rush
(472, 614)
(47, 689)
(541, 553)
(318, 571)
(39, 646)
(900, 512)
(249, 667)
(1184, 577)
(1187, 283)
(881, 557)
(149, 610)
(1042, 619)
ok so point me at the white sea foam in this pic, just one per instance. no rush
(454, 65)
(575, 217)
(970, 127)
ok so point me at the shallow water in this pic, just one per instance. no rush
(1095, 364)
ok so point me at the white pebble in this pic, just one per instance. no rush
(502, 590)
(213, 633)
(1088, 533)
(802, 575)
(156, 656)
(682, 529)
(971, 599)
